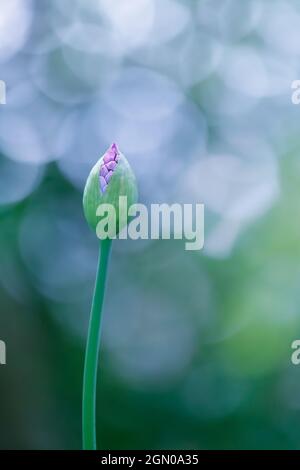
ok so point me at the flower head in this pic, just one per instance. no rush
(110, 178)
(110, 161)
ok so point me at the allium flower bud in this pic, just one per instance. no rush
(110, 178)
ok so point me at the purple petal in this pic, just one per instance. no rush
(103, 184)
(111, 153)
(108, 157)
(103, 171)
(108, 176)
(110, 161)
(111, 166)
(114, 147)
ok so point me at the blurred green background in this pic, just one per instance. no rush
(196, 345)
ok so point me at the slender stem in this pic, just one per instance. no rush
(92, 351)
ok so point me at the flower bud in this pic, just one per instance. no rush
(110, 178)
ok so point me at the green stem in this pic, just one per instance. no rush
(92, 351)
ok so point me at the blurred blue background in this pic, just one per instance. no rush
(196, 345)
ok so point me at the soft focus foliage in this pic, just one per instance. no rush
(196, 345)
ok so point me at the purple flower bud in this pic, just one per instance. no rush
(110, 161)
(105, 184)
(111, 153)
